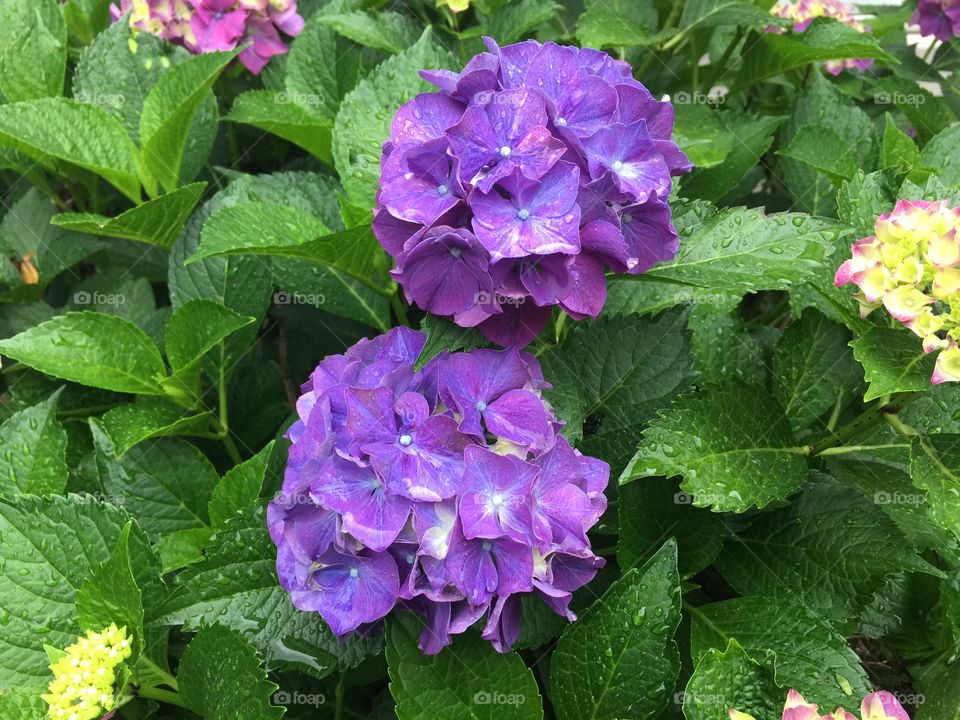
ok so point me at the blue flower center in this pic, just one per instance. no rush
(562, 122)
(354, 572)
(456, 252)
(406, 440)
(626, 218)
(486, 545)
(410, 559)
(218, 16)
(523, 213)
(480, 405)
(617, 165)
(497, 500)
(442, 189)
(505, 151)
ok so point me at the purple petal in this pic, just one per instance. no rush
(496, 497)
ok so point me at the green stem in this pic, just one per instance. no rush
(224, 424)
(339, 693)
(871, 417)
(399, 309)
(167, 696)
(845, 449)
(901, 427)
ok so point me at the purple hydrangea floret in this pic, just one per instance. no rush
(939, 18)
(521, 181)
(445, 490)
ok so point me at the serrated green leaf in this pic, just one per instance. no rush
(655, 509)
(33, 451)
(732, 445)
(166, 485)
(935, 469)
(33, 50)
(149, 417)
(813, 370)
(363, 122)
(51, 129)
(236, 585)
(863, 199)
(730, 679)
(443, 335)
(808, 653)
(940, 154)
(280, 114)
(893, 361)
(700, 132)
(435, 686)
(271, 229)
(723, 348)
(614, 374)
(169, 111)
(196, 327)
(899, 150)
(93, 349)
(740, 251)
(831, 548)
(239, 488)
(24, 703)
(220, 678)
(939, 681)
(517, 19)
(182, 547)
(826, 39)
(618, 23)
(386, 30)
(820, 148)
(156, 222)
(620, 658)
(110, 594)
(319, 70)
(49, 547)
(716, 13)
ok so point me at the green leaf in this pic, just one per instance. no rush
(363, 122)
(182, 547)
(236, 585)
(940, 154)
(49, 547)
(156, 222)
(865, 197)
(730, 679)
(831, 548)
(723, 348)
(220, 678)
(92, 349)
(428, 687)
(809, 653)
(732, 444)
(239, 488)
(443, 335)
(620, 659)
(740, 251)
(899, 149)
(86, 136)
(771, 54)
(386, 30)
(654, 509)
(279, 113)
(614, 374)
(514, 21)
(617, 23)
(939, 681)
(33, 451)
(270, 229)
(813, 370)
(196, 327)
(318, 74)
(165, 484)
(24, 703)
(110, 594)
(700, 132)
(149, 417)
(819, 147)
(169, 111)
(935, 469)
(893, 361)
(753, 136)
(33, 49)
(716, 13)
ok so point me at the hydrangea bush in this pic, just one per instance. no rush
(461, 359)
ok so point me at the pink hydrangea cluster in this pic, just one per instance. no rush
(804, 12)
(218, 25)
(911, 267)
(880, 705)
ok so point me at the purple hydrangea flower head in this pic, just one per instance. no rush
(218, 25)
(804, 12)
(939, 18)
(446, 490)
(511, 189)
